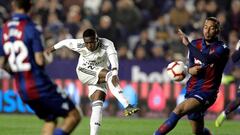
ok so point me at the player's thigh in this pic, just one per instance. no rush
(187, 106)
(97, 90)
(88, 75)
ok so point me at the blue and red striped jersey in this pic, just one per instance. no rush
(213, 59)
(20, 40)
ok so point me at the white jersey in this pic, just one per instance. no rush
(98, 58)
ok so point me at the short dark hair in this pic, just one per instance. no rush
(89, 33)
(23, 4)
(214, 19)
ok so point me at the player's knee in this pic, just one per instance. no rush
(179, 110)
(110, 78)
(75, 116)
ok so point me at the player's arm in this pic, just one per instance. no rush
(236, 54)
(205, 58)
(113, 58)
(69, 43)
(4, 65)
(35, 35)
(193, 68)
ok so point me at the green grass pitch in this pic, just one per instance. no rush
(31, 125)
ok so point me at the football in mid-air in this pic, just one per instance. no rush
(176, 70)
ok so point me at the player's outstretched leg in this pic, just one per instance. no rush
(117, 91)
(220, 119)
(168, 125)
(231, 107)
(129, 110)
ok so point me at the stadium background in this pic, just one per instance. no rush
(146, 41)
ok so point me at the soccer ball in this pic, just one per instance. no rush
(176, 70)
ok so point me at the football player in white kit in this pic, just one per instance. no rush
(96, 55)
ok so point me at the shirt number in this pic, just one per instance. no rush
(17, 52)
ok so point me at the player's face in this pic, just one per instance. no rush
(210, 30)
(90, 43)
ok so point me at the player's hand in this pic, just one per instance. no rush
(49, 50)
(194, 70)
(183, 37)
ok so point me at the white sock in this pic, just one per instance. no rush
(96, 117)
(224, 114)
(116, 91)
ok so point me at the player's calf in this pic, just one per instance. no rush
(96, 116)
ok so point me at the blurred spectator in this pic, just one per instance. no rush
(161, 7)
(211, 8)
(140, 53)
(92, 6)
(179, 16)
(145, 7)
(232, 42)
(234, 15)
(106, 29)
(225, 25)
(73, 19)
(158, 52)
(44, 8)
(6, 4)
(91, 10)
(145, 43)
(54, 25)
(199, 14)
(108, 10)
(3, 15)
(233, 39)
(160, 30)
(68, 3)
(122, 20)
(128, 18)
(85, 24)
(124, 52)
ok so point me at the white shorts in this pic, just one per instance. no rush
(92, 88)
(89, 76)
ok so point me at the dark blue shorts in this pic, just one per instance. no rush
(52, 106)
(205, 98)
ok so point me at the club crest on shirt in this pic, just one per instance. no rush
(211, 51)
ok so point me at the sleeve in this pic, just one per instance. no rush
(209, 58)
(69, 43)
(190, 59)
(112, 55)
(37, 39)
(1, 45)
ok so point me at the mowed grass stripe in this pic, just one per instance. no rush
(16, 124)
